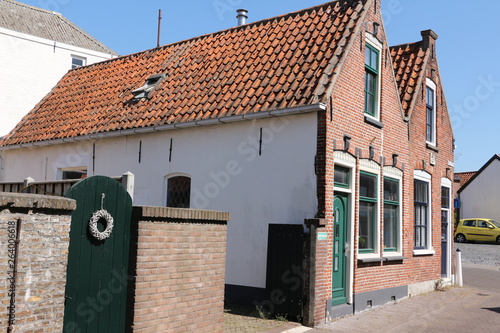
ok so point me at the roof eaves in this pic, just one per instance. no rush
(258, 115)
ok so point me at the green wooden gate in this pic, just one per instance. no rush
(97, 273)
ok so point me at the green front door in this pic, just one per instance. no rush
(339, 244)
(97, 272)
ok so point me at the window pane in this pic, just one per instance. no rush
(421, 191)
(368, 185)
(420, 226)
(444, 224)
(391, 190)
(341, 176)
(390, 226)
(366, 225)
(445, 197)
(179, 192)
(430, 97)
(374, 60)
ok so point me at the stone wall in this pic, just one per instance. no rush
(179, 284)
(43, 225)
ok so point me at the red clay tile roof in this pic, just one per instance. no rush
(282, 62)
(408, 62)
(464, 177)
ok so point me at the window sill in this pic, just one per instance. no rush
(372, 121)
(395, 258)
(423, 252)
(432, 147)
(371, 259)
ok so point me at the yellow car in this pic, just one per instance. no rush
(475, 229)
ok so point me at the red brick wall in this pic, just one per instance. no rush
(180, 270)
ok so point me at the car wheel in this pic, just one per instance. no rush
(498, 240)
(461, 238)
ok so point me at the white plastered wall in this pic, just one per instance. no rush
(228, 174)
(480, 197)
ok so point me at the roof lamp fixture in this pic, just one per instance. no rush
(148, 87)
(376, 27)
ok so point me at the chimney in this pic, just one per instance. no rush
(242, 16)
(428, 38)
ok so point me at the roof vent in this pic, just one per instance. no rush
(148, 87)
(242, 16)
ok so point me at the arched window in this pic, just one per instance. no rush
(178, 192)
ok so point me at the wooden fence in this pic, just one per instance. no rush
(58, 187)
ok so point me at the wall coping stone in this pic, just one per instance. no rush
(35, 201)
(182, 213)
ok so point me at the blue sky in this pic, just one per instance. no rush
(467, 47)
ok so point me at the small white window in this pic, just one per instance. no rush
(73, 173)
(78, 62)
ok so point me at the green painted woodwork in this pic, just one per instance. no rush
(97, 273)
(339, 242)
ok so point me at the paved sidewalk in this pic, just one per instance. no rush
(459, 310)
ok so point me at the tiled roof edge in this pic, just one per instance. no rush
(341, 61)
(418, 85)
(317, 107)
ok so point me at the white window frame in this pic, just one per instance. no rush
(374, 43)
(83, 59)
(394, 173)
(61, 171)
(431, 85)
(424, 177)
(373, 168)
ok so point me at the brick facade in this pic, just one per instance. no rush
(180, 270)
(396, 134)
(42, 257)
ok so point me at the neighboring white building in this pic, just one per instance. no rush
(479, 195)
(38, 46)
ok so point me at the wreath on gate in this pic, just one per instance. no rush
(101, 214)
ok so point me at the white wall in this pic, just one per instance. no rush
(481, 197)
(29, 68)
(227, 174)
